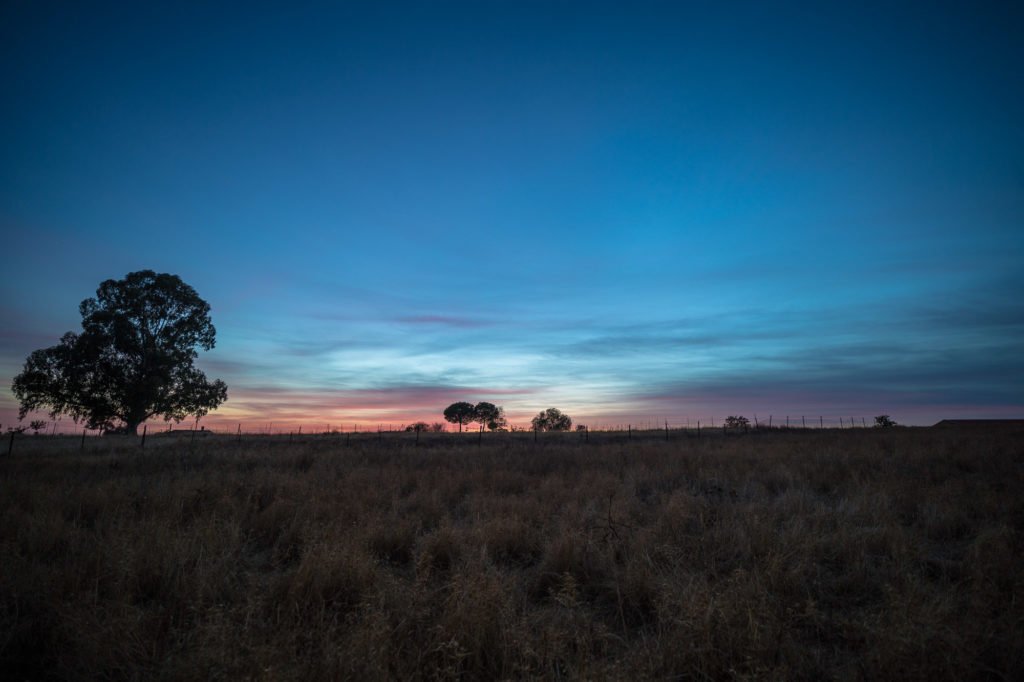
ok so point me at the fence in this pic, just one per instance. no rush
(649, 428)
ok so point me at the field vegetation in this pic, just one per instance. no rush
(861, 554)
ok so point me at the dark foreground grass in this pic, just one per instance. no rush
(853, 555)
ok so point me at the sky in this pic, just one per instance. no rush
(634, 212)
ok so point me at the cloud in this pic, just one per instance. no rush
(445, 321)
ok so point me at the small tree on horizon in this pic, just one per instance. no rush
(460, 413)
(883, 421)
(490, 415)
(551, 419)
(736, 422)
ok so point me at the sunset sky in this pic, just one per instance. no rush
(630, 211)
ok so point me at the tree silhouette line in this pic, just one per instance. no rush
(134, 360)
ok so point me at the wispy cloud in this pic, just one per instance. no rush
(445, 321)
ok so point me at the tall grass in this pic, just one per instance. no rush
(853, 555)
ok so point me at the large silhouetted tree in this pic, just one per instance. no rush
(132, 360)
(460, 413)
(552, 419)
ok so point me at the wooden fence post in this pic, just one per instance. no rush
(82, 446)
(142, 445)
(10, 444)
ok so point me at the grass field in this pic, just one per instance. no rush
(859, 554)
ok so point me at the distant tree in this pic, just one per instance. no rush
(417, 427)
(490, 415)
(37, 425)
(460, 413)
(883, 421)
(734, 422)
(551, 419)
(133, 359)
(438, 427)
(581, 427)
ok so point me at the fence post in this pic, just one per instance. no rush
(666, 429)
(82, 446)
(821, 422)
(841, 423)
(803, 421)
(10, 444)
(239, 439)
(480, 438)
(698, 428)
(142, 445)
(629, 431)
(769, 421)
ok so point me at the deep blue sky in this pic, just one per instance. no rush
(632, 211)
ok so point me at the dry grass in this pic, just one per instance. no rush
(851, 555)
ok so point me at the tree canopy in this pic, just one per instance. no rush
(551, 419)
(736, 422)
(132, 360)
(489, 415)
(460, 413)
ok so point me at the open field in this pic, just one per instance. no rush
(860, 554)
